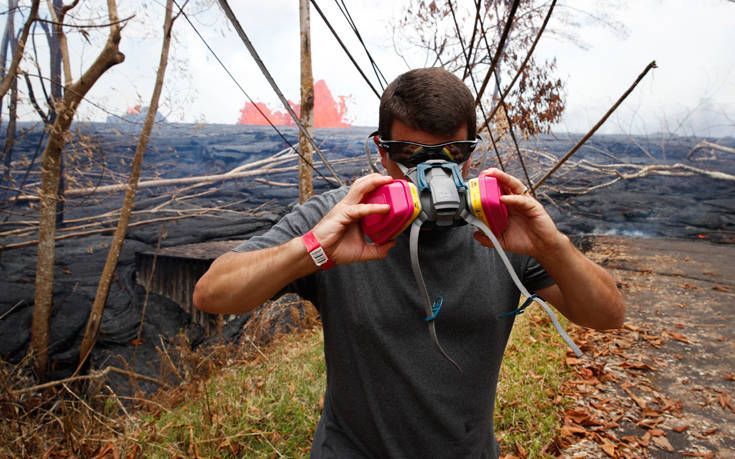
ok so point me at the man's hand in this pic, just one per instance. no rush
(584, 292)
(236, 282)
(339, 231)
(530, 229)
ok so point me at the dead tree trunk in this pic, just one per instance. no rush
(51, 163)
(306, 180)
(103, 289)
(8, 35)
(12, 70)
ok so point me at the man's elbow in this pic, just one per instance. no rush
(209, 295)
(202, 296)
(615, 316)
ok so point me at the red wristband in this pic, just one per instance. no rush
(316, 251)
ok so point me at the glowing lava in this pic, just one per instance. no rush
(328, 112)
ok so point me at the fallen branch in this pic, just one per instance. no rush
(94, 375)
(199, 180)
(712, 145)
(677, 169)
(651, 65)
(270, 182)
(98, 231)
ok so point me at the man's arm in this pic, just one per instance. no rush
(584, 292)
(236, 282)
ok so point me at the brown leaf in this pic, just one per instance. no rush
(609, 448)
(681, 429)
(637, 366)
(689, 287)
(573, 361)
(730, 376)
(720, 288)
(679, 337)
(640, 402)
(522, 453)
(650, 413)
(571, 430)
(726, 401)
(663, 443)
(711, 431)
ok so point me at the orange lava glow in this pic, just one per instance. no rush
(328, 112)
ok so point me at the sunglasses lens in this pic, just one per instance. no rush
(411, 154)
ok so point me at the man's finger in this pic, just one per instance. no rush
(521, 204)
(376, 252)
(358, 211)
(508, 183)
(365, 185)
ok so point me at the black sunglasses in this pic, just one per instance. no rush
(411, 154)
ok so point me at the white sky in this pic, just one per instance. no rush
(693, 90)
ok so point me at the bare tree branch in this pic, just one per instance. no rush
(18, 55)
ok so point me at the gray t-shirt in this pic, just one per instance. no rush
(389, 391)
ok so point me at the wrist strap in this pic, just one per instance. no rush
(316, 251)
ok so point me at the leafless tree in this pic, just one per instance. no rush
(65, 109)
(103, 289)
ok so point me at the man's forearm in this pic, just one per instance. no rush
(589, 296)
(237, 282)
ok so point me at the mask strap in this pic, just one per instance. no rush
(367, 154)
(431, 309)
(471, 219)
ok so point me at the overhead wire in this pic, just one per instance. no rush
(251, 49)
(339, 40)
(523, 65)
(505, 107)
(232, 77)
(499, 50)
(382, 81)
(472, 78)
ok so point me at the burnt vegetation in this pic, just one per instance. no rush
(81, 349)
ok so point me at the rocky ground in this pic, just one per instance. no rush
(663, 385)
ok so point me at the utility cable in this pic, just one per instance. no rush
(507, 117)
(241, 32)
(472, 78)
(499, 51)
(339, 40)
(224, 67)
(522, 67)
(378, 74)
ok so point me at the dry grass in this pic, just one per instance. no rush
(258, 399)
(86, 418)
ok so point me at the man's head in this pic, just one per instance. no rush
(431, 100)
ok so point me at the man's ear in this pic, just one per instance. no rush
(383, 154)
(466, 166)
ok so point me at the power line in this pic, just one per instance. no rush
(324, 18)
(246, 41)
(378, 74)
(224, 67)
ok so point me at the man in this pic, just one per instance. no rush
(389, 392)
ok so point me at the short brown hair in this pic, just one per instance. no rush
(430, 100)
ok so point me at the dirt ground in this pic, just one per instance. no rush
(663, 385)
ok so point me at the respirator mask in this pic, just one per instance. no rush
(436, 195)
